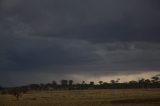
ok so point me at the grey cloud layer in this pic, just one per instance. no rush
(98, 21)
(75, 36)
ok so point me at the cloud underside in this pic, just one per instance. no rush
(79, 37)
(71, 56)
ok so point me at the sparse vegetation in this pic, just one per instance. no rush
(110, 97)
(67, 93)
(16, 92)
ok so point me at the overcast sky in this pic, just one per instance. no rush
(45, 40)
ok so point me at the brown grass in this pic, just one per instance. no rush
(121, 97)
(138, 101)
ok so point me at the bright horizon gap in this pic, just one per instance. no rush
(78, 78)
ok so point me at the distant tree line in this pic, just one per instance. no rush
(154, 82)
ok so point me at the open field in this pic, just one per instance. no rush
(109, 97)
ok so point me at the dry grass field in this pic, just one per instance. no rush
(111, 97)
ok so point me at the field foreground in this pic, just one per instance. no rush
(109, 97)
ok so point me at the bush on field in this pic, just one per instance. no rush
(17, 92)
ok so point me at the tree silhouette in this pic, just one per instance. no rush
(17, 92)
(83, 82)
(64, 84)
(69, 85)
(54, 83)
(100, 82)
(118, 79)
(113, 81)
(70, 82)
(155, 79)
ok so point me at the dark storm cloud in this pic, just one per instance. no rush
(105, 20)
(75, 36)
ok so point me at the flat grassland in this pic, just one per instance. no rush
(108, 97)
